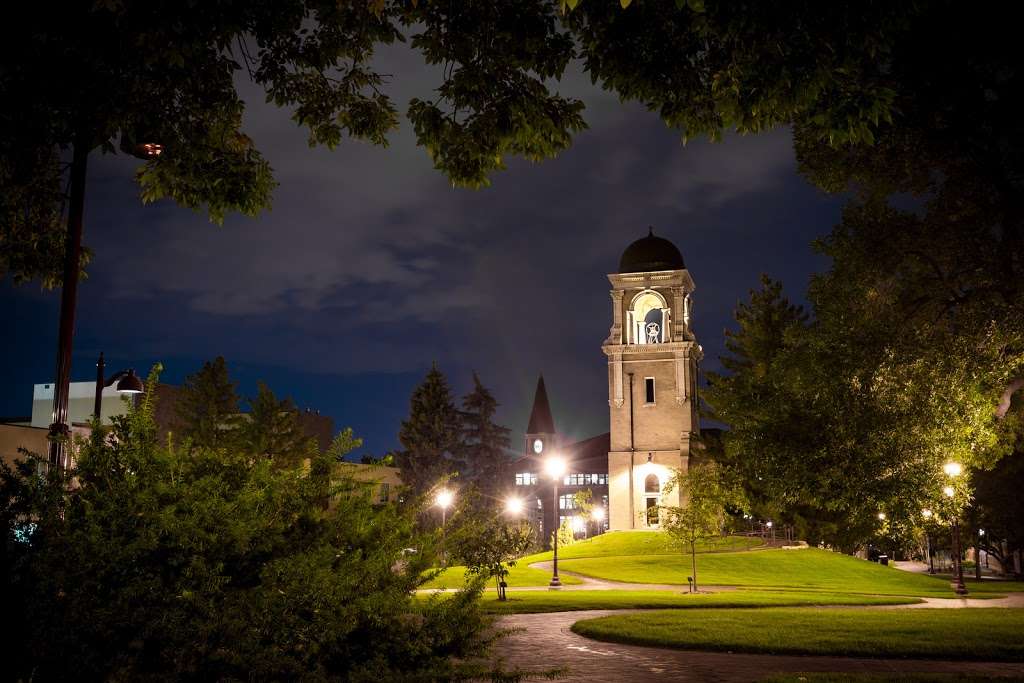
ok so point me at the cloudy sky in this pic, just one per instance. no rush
(370, 266)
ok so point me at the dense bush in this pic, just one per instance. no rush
(155, 562)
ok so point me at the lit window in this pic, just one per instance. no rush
(648, 390)
(566, 502)
(648, 319)
(526, 479)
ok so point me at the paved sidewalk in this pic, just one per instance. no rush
(546, 642)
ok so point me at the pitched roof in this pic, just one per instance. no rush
(541, 421)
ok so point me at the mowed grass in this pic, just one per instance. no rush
(619, 543)
(519, 576)
(805, 569)
(968, 634)
(523, 602)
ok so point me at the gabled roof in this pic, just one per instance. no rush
(541, 421)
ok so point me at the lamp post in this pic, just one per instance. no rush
(59, 423)
(977, 554)
(514, 506)
(555, 467)
(443, 499)
(953, 470)
(127, 383)
(597, 514)
(927, 514)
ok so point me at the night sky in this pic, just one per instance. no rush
(370, 265)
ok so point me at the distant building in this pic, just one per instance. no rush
(385, 480)
(30, 432)
(652, 400)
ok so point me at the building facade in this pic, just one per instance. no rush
(653, 358)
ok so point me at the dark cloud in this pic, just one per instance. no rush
(370, 265)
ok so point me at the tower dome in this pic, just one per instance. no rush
(651, 253)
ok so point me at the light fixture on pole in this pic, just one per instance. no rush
(954, 469)
(554, 466)
(443, 500)
(514, 506)
(128, 383)
(927, 514)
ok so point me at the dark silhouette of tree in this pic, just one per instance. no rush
(208, 406)
(484, 444)
(430, 437)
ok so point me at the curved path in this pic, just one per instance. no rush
(593, 584)
(545, 642)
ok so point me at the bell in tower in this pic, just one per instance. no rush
(652, 380)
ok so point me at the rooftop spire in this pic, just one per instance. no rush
(541, 421)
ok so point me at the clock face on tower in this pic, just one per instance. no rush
(538, 446)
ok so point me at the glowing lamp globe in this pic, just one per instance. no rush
(949, 491)
(597, 514)
(514, 506)
(554, 466)
(444, 498)
(952, 469)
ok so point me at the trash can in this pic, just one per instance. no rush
(883, 559)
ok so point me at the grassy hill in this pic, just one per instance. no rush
(645, 557)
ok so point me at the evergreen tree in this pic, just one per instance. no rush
(485, 444)
(208, 406)
(430, 438)
(273, 429)
(161, 564)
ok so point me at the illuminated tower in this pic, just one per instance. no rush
(652, 380)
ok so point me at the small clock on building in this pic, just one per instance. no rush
(538, 446)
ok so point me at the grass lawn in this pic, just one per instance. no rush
(975, 634)
(565, 601)
(806, 569)
(526, 602)
(520, 575)
(616, 543)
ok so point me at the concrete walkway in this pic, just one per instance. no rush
(546, 642)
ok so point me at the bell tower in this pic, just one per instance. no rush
(541, 438)
(652, 380)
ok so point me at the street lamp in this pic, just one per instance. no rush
(514, 506)
(953, 469)
(127, 383)
(927, 514)
(881, 516)
(443, 499)
(554, 466)
(145, 148)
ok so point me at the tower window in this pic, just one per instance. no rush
(648, 319)
(649, 390)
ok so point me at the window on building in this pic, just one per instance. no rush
(526, 479)
(649, 390)
(651, 484)
(566, 502)
(648, 319)
(385, 492)
(585, 479)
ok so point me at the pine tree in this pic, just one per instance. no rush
(485, 444)
(273, 429)
(208, 406)
(430, 438)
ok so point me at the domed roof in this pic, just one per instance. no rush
(649, 254)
